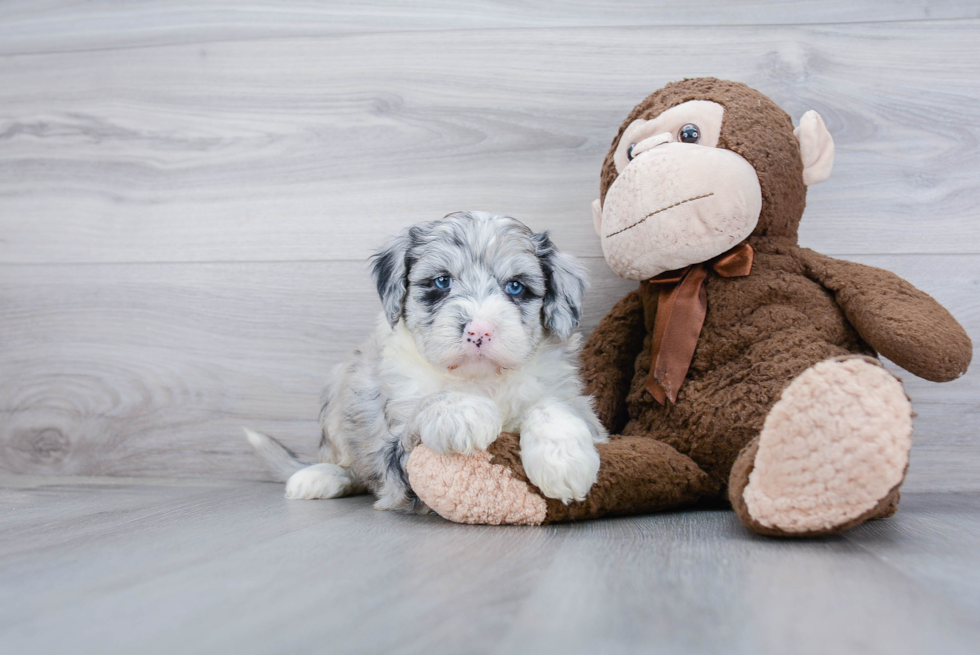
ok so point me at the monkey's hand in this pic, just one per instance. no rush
(901, 322)
(608, 358)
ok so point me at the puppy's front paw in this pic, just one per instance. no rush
(560, 459)
(459, 424)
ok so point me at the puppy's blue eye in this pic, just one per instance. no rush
(514, 288)
(443, 282)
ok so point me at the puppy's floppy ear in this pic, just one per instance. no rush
(390, 270)
(565, 281)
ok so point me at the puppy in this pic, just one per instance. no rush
(476, 339)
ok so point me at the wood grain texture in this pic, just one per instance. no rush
(188, 193)
(161, 566)
(943, 557)
(318, 148)
(60, 25)
(123, 369)
(153, 369)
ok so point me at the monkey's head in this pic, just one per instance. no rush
(698, 167)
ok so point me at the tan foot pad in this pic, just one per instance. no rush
(471, 489)
(834, 445)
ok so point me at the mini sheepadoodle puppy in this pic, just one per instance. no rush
(476, 339)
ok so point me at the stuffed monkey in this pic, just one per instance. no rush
(744, 367)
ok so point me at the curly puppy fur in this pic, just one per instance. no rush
(476, 338)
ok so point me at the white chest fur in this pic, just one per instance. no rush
(406, 378)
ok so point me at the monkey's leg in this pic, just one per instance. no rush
(832, 452)
(637, 475)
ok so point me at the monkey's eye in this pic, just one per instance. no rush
(514, 288)
(443, 282)
(629, 152)
(689, 134)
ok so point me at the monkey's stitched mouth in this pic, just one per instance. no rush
(630, 227)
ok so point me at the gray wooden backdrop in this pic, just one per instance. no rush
(188, 194)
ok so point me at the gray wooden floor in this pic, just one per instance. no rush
(109, 565)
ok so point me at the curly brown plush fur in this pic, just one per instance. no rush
(797, 310)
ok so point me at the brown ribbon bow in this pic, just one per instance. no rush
(681, 309)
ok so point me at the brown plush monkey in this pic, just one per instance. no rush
(744, 366)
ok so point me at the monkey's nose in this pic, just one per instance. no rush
(651, 142)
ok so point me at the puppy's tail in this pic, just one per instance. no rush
(279, 460)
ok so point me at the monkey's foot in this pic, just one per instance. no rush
(473, 489)
(832, 452)
(637, 475)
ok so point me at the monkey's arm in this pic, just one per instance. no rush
(902, 323)
(608, 357)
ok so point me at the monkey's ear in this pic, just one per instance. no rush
(597, 217)
(565, 287)
(816, 148)
(390, 270)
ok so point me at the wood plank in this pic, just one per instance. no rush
(152, 369)
(934, 542)
(164, 566)
(57, 25)
(318, 148)
(161, 364)
(364, 581)
(699, 583)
